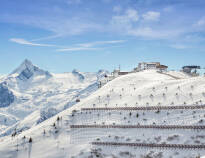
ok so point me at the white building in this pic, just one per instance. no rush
(114, 74)
(148, 65)
(117, 73)
(141, 66)
(151, 65)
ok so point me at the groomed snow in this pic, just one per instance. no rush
(147, 88)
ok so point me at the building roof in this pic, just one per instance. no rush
(191, 67)
(150, 62)
(162, 66)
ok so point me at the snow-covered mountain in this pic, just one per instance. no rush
(58, 138)
(27, 70)
(30, 95)
(6, 97)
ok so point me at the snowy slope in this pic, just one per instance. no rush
(55, 139)
(39, 95)
(181, 75)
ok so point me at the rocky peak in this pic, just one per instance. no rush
(26, 70)
(78, 74)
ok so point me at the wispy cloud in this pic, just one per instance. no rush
(25, 42)
(151, 16)
(168, 9)
(91, 44)
(133, 24)
(130, 22)
(200, 22)
(125, 19)
(57, 25)
(72, 49)
(76, 47)
(124, 22)
(46, 38)
(121, 20)
(179, 46)
(117, 9)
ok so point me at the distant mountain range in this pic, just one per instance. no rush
(30, 92)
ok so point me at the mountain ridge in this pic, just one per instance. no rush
(26, 70)
(41, 92)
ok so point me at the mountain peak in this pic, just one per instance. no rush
(27, 70)
(26, 64)
(78, 74)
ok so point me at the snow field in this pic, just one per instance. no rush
(135, 90)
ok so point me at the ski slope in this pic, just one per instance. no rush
(54, 138)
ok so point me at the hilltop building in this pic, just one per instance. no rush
(162, 67)
(191, 69)
(151, 65)
(141, 66)
(117, 73)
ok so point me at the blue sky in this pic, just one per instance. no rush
(60, 35)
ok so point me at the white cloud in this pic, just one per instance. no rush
(71, 49)
(25, 42)
(151, 16)
(129, 16)
(76, 47)
(148, 32)
(201, 22)
(59, 26)
(124, 21)
(45, 38)
(129, 23)
(117, 9)
(91, 44)
(179, 46)
(168, 9)
(132, 15)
